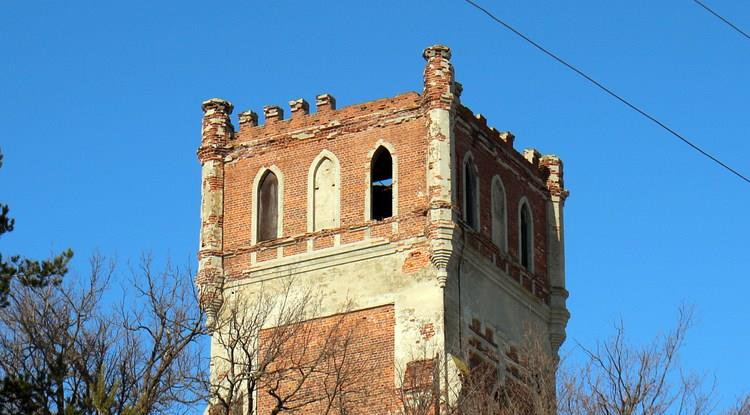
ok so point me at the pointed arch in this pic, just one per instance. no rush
(381, 199)
(268, 204)
(525, 235)
(470, 186)
(324, 192)
(499, 214)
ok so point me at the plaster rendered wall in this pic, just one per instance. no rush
(486, 306)
(362, 276)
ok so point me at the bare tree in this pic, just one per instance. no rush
(272, 350)
(528, 386)
(73, 354)
(620, 379)
(159, 359)
(615, 380)
(742, 407)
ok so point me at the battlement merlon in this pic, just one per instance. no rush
(440, 91)
(248, 119)
(325, 103)
(299, 107)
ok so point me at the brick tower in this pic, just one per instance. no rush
(409, 213)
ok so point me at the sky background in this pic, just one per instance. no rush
(100, 114)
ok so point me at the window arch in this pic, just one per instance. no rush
(268, 200)
(324, 204)
(268, 197)
(499, 215)
(526, 236)
(471, 193)
(381, 184)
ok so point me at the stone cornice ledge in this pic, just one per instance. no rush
(320, 259)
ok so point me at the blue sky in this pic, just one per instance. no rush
(100, 116)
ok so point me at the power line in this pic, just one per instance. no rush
(723, 19)
(610, 92)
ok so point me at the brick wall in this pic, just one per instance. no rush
(362, 360)
(351, 135)
(493, 154)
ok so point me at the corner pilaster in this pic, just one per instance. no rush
(216, 131)
(439, 99)
(559, 314)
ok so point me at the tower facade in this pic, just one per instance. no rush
(418, 227)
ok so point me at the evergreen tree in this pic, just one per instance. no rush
(25, 271)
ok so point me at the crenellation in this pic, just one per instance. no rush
(532, 155)
(299, 107)
(273, 113)
(481, 118)
(325, 103)
(507, 137)
(248, 119)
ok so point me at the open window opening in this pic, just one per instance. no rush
(381, 185)
(268, 207)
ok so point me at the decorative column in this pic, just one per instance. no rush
(559, 314)
(216, 131)
(439, 98)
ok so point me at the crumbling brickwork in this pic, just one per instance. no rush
(420, 271)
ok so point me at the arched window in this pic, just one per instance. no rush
(526, 237)
(268, 207)
(471, 201)
(325, 214)
(499, 222)
(381, 185)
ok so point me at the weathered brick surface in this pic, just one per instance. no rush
(494, 156)
(351, 134)
(409, 125)
(417, 259)
(367, 364)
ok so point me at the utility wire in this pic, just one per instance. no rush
(723, 19)
(610, 92)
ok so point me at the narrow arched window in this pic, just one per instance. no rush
(381, 185)
(526, 238)
(499, 223)
(268, 207)
(325, 196)
(470, 196)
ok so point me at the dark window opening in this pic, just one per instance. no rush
(268, 207)
(381, 185)
(525, 237)
(470, 188)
